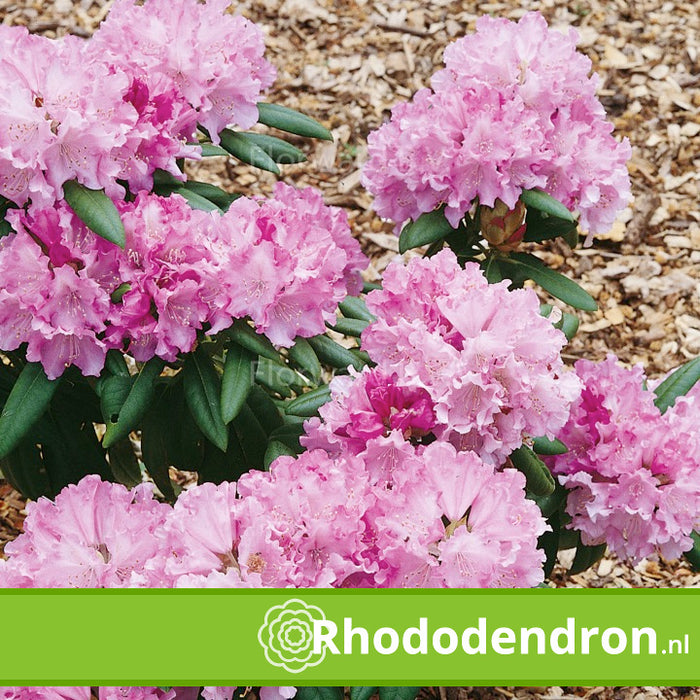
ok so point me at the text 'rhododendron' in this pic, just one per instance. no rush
(471, 362)
(284, 262)
(513, 109)
(634, 474)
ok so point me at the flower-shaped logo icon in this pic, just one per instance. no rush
(287, 635)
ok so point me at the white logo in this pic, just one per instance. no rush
(287, 635)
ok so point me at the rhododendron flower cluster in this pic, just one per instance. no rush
(514, 108)
(312, 521)
(285, 262)
(471, 362)
(634, 473)
(124, 103)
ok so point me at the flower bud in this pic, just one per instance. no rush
(502, 227)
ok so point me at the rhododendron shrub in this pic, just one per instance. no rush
(133, 297)
(313, 521)
(510, 144)
(633, 472)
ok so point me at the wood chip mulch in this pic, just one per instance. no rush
(347, 62)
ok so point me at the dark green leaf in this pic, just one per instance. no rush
(538, 477)
(28, 400)
(289, 434)
(214, 194)
(545, 446)
(427, 228)
(238, 379)
(115, 364)
(275, 449)
(586, 556)
(362, 692)
(291, 121)
(251, 437)
(277, 378)
(135, 404)
(540, 226)
(549, 543)
(243, 149)
(335, 355)
(307, 405)
(398, 693)
(24, 470)
(355, 307)
(679, 383)
(280, 151)
(349, 326)
(693, 555)
(492, 269)
(240, 332)
(114, 391)
(557, 285)
(96, 210)
(568, 325)
(264, 408)
(551, 503)
(123, 463)
(196, 200)
(209, 150)
(158, 443)
(202, 393)
(304, 357)
(318, 693)
(537, 199)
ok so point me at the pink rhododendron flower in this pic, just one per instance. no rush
(286, 263)
(94, 535)
(514, 108)
(486, 358)
(45, 693)
(634, 473)
(197, 54)
(136, 693)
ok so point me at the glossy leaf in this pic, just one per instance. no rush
(677, 384)
(537, 199)
(538, 477)
(219, 197)
(96, 210)
(540, 226)
(247, 151)
(264, 408)
(304, 357)
(240, 332)
(355, 307)
(135, 405)
(280, 151)
(251, 437)
(27, 402)
(568, 325)
(275, 449)
(335, 355)
(586, 556)
(545, 446)
(427, 228)
(349, 326)
(202, 393)
(398, 692)
(307, 405)
(362, 692)
(237, 381)
(24, 470)
(693, 555)
(320, 693)
(557, 285)
(123, 463)
(156, 443)
(209, 150)
(291, 121)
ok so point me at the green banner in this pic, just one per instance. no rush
(351, 637)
